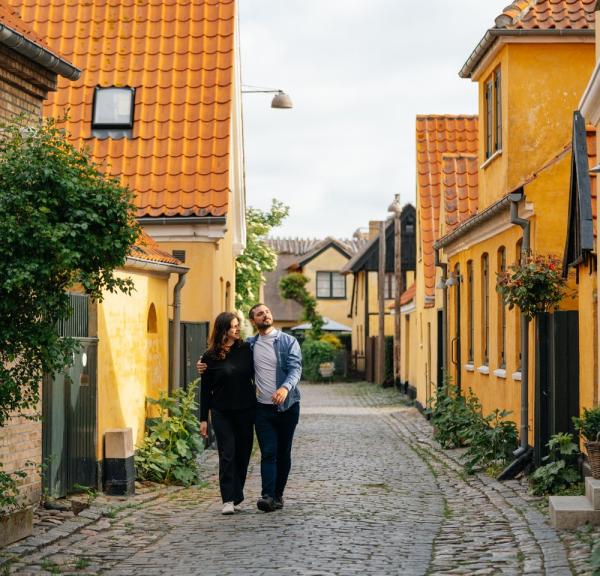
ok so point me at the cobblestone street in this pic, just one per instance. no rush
(370, 493)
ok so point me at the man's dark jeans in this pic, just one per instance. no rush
(275, 432)
(235, 436)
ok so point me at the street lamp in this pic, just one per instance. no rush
(281, 100)
(396, 209)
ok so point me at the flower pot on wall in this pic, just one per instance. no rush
(15, 526)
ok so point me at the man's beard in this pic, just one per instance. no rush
(264, 324)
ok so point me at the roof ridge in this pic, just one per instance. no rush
(469, 116)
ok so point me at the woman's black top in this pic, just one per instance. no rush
(228, 384)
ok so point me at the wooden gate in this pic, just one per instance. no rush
(69, 428)
(556, 377)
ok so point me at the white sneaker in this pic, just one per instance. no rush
(237, 507)
(228, 508)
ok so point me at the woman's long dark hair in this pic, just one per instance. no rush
(216, 343)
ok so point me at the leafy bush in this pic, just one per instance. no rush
(595, 560)
(172, 443)
(9, 493)
(588, 425)
(452, 416)
(560, 470)
(491, 440)
(314, 353)
(293, 287)
(331, 339)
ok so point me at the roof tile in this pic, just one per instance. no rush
(179, 55)
(147, 249)
(547, 15)
(436, 134)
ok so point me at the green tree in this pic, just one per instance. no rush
(293, 287)
(64, 223)
(257, 257)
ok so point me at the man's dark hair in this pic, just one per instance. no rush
(251, 312)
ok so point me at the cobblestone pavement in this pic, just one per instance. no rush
(370, 493)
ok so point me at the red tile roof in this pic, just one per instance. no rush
(408, 295)
(460, 185)
(436, 136)
(179, 55)
(147, 249)
(548, 14)
(10, 19)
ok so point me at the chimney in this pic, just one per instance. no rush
(373, 229)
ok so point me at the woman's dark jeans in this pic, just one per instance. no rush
(275, 432)
(234, 430)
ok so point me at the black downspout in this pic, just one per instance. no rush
(444, 268)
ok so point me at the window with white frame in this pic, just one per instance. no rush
(331, 285)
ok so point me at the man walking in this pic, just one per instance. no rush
(277, 369)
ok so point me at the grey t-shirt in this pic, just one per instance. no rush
(265, 367)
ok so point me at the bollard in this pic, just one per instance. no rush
(119, 465)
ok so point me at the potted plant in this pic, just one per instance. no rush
(588, 425)
(535, 285)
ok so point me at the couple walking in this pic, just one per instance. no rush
(245, 386)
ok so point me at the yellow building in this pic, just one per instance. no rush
(321, 261)
(446, 145)
(531, 70)
(159, 106)
(363, 269)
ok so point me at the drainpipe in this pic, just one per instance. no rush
(515, 198)
(176, 342)
(444, 268)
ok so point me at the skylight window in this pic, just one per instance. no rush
(113, 107)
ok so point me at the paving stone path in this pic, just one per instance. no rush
(370, 493)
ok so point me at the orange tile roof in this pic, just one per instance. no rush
(146, 248)
(437, 135)
(548, 14)
(460, 185)
(408, 295)
(179, 55)
(10, 19)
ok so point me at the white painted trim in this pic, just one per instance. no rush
(516, 376)
(590, 101)
(469, 367)
(495, 155)
(483, 369)
(193, 233)
(487, 230)
(408, 308)
(500, 372)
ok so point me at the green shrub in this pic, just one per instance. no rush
(452, 416)
(595, 560)
(9, 493)
(560, 470)
(314, 353)
(172, 442)
(331, 339)
(492, 440)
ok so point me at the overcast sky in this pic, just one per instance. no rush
(358, 72)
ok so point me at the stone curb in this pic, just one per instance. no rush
(88, 517)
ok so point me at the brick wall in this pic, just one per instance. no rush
(23, 87)
(21, 449)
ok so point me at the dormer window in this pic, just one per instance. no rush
(113, 109)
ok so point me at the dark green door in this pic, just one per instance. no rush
(69, 429)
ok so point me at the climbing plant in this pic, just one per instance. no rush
(293, 287)
(64, 223)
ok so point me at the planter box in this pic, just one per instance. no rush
(15, 526)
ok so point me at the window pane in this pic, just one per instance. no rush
(338, 285)
(323, 284)
(113, 107)
(489, 118)
(498, 110)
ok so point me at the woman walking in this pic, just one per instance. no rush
(229, 394)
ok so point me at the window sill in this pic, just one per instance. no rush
(483, 369)
(469, 368)
(500, 372)
(516, 375)
(495, 155)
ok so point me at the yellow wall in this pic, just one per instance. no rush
(329, 260)
(588, 338)
(541, 87)
(132, 363)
